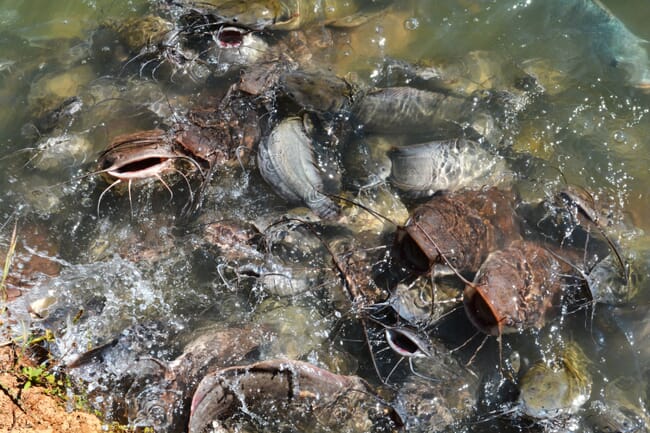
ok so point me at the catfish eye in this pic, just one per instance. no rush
(105, 164)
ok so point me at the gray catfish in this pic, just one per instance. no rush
(399, 110)
(614, 43)
(422, 169)
(286, 162)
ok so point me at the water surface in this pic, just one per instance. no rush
(127, 263)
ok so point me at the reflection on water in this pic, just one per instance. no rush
(557, 90)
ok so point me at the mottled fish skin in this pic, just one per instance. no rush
(290, 14)
(316, 90)
(460, 229)
(252, 14)
(280, 389)
(614, 42)
(516, 288)
(422, 169)
(552, 389)
(400, 110)
(286, 162)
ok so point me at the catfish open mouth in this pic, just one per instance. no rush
(140, 168)
(480, 312)
(142, 155)
(230, 37)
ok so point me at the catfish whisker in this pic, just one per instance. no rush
(187, 182)
(144, 65)
(478, 349)
(496, 413)
(385, 381)
(155, 70)
(171, 193)
(131, 60)
(18, 151)
(99, 201)
(456, 349)
(130, 197)
(447, 314)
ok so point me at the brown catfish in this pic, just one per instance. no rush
(284, 391)
(516, 288)
(458, 230)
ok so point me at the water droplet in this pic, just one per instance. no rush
(411, 23)
(619, 136)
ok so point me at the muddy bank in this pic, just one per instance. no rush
(33, 408)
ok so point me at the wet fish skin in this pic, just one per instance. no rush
(294, 391)
(366, 160)
(251, 14)
(515, 288)
(286, 162)
(459, 229)
(407, 110)
(147, 392)
(289, 14)
(552, 389)
(422, 169)
(617, 46)
(317, 90)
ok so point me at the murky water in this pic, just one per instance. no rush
(121, 267)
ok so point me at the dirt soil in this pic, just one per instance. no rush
(34, 409)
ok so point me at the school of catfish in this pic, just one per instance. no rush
(362, 249)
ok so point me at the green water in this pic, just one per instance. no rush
(590, 128)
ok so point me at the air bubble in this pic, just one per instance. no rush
(411, 23)
(619, 136)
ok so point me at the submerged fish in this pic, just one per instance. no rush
(599, 33)
(614, 43)
(576, 37)
(428, 406)
(621, 408)
(558, 387)
(422, 169)
(289, 14)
